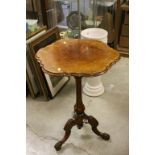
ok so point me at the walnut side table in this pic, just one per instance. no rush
(78, 58)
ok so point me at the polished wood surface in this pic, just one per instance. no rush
(77, 57)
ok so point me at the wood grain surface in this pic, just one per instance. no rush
(76, 57)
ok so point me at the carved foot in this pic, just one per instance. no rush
(68, 126)
(105, 136)
(94, 123)
(58, 146)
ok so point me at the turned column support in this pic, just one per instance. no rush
(80, 117)
(79, 106)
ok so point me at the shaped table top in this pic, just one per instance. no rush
(77, 57)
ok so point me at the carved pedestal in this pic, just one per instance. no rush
(79, 118)
(78, 58)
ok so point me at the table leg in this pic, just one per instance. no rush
(79, 118)
(94, 123)
(70, 123)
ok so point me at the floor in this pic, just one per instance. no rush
(45, 120)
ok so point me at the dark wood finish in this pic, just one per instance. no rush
(31, 10)
(78, 58)
(124, 41)
(121, 25)
(117, 22)
(79, 118)
(34, 75)
(124, 52)
(29, 85)
(29, 37)
(125, 30)
(47, 38)
(43, 11)
(107, 24)
(126, 20)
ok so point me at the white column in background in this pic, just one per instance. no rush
(93, 85)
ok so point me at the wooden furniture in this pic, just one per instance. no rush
(78, 58)
(122, 28)
(124, 34)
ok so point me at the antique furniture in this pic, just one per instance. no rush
(78, 58)
(124, 31)
(122, 27)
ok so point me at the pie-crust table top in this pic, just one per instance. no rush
(77, 57)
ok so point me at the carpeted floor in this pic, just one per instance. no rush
(45, 120)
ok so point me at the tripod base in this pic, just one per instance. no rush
(78, 120)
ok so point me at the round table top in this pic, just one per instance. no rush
(76, 57)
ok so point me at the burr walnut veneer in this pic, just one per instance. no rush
(78, 58)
